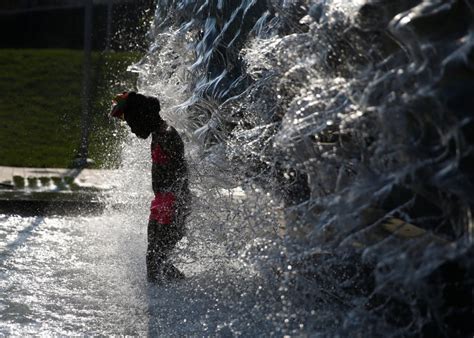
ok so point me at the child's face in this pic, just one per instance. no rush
(137, 125)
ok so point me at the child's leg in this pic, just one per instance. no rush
(162, 238)
(153, 257)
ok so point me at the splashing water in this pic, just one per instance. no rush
(353, 119)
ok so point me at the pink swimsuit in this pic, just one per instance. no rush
(162, 207)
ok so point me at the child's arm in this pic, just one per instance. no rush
(169, 167)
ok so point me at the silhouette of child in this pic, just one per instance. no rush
(171, 204)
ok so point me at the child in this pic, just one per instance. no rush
(170, 206)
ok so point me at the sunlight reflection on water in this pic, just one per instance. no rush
(70, 276)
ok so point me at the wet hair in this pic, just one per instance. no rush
(143, 108)
(142, 114)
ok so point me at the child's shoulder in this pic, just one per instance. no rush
(169, 134)
(172, 132)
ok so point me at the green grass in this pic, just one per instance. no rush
(40, 106)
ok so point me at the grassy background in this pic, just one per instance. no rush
(40, 106)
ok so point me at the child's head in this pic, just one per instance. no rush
(139, 111)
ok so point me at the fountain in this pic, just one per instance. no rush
(354, 118)
(330, 155)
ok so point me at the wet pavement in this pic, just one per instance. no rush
(37, 191)
(33, 178)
